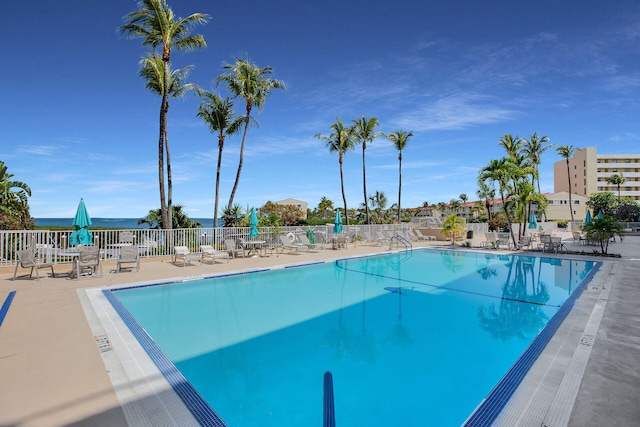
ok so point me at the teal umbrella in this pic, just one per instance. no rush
(533, 223)
(337, 223)
(600, 215)
(82, 221)
(588, 218)
(253, 223)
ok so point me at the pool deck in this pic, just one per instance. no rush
(52, 372)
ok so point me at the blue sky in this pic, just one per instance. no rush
(76, 120)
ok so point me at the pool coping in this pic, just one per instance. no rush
(183, 398)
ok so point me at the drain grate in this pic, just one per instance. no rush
(587, 340)
(103, 343)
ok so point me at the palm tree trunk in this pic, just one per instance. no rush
(570, 202)
(163, 202)
(399, 184)
(344, 197)
(364, 180)
(169, 181)
(538, 180)
(215, 207)
(244, 138)
(164, 110)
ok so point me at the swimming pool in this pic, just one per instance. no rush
(410, 339)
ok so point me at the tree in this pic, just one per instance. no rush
(231, 216)
(253, 84)
(180, 219)
(399, 138)
(152, 70)
(463, 199)
(219, 116)
(604, 202)
(325, 206)
(365, 130)
(533, 148)
(628, 210)
(14, 202)
(486, 193)
(601, 230)
(453, 226)
(454, 204)
(379, 202)
(617, 180)
(285, 214)
(511, 144)
(566, 151)
(341, 140)
(157, 25)
(500, 171)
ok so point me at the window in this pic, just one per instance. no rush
(614, 161)
(614, 170)
(584, 163)
(627, 161)
(550, 202)
(576, 202)
(628, 188)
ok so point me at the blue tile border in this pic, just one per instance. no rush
(199, 408)
(487, 412)
(5, 306)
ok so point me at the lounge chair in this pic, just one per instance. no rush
(422, 236)
(126, 238)
(579, 238)
(87, 263)
(287, 244)
(370, 239)
(183, 253)
(128, 255)
(491, 239)
(209, 251)
(234, 248)
(26, 259)
(312, 246)
(524, 242)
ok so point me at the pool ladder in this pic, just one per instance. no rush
(408, 247)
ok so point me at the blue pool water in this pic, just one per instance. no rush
(415, 339)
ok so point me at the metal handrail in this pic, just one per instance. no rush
(401, 239)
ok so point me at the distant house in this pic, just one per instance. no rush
(558, 208)
(303, 206)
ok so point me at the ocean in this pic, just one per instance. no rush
(117, 223)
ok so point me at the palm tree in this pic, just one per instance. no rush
(500, 171)
(477, 208)
(14, 205)
(218, 114)
(152, 70)
(487, 193)
(253, 84)
(617, 180)
(511, 144)
(340, 140)
(399, 138)
(157, 25)
(463, 199)
(324, 206)
(180, 219)
(453, 226)
(566, 151)
(365, 130)
(533, 148)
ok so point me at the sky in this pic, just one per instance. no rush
(76, 120)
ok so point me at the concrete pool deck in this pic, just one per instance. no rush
(52, 372)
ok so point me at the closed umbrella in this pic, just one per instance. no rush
(337, 223)
(253, 223)
(82, 221)
(588, 218)
(311, 236)
(533, 223)
(600, 215)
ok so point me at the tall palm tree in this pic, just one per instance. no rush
(617, 180)
(152, 70)
(399, 138)
(324, 206)
(253, 84)
(533, 148)
(500, 171)
(157, 25)
(340, 140)
(219, 116)
(511, 144)
(566, 151)
(487, 193)
(365, 130)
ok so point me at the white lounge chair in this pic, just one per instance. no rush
(233, 248)
(312, 246)
(287, 244)
(26, 259)
(183, 253)
(209, 251)
(128, 255)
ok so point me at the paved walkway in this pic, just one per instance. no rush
(52, 374)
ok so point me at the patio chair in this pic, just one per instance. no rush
(525, 242)
(88, 262)
(371, 240)
(491, 239)
(234, 248)
(287, 244)
(578, 238)
(209, 251)
(422, 236)
(26, 259)
(128, 255)
(126, 238)
(183, 253)
(312, 246)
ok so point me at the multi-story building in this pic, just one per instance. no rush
(590, 170)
